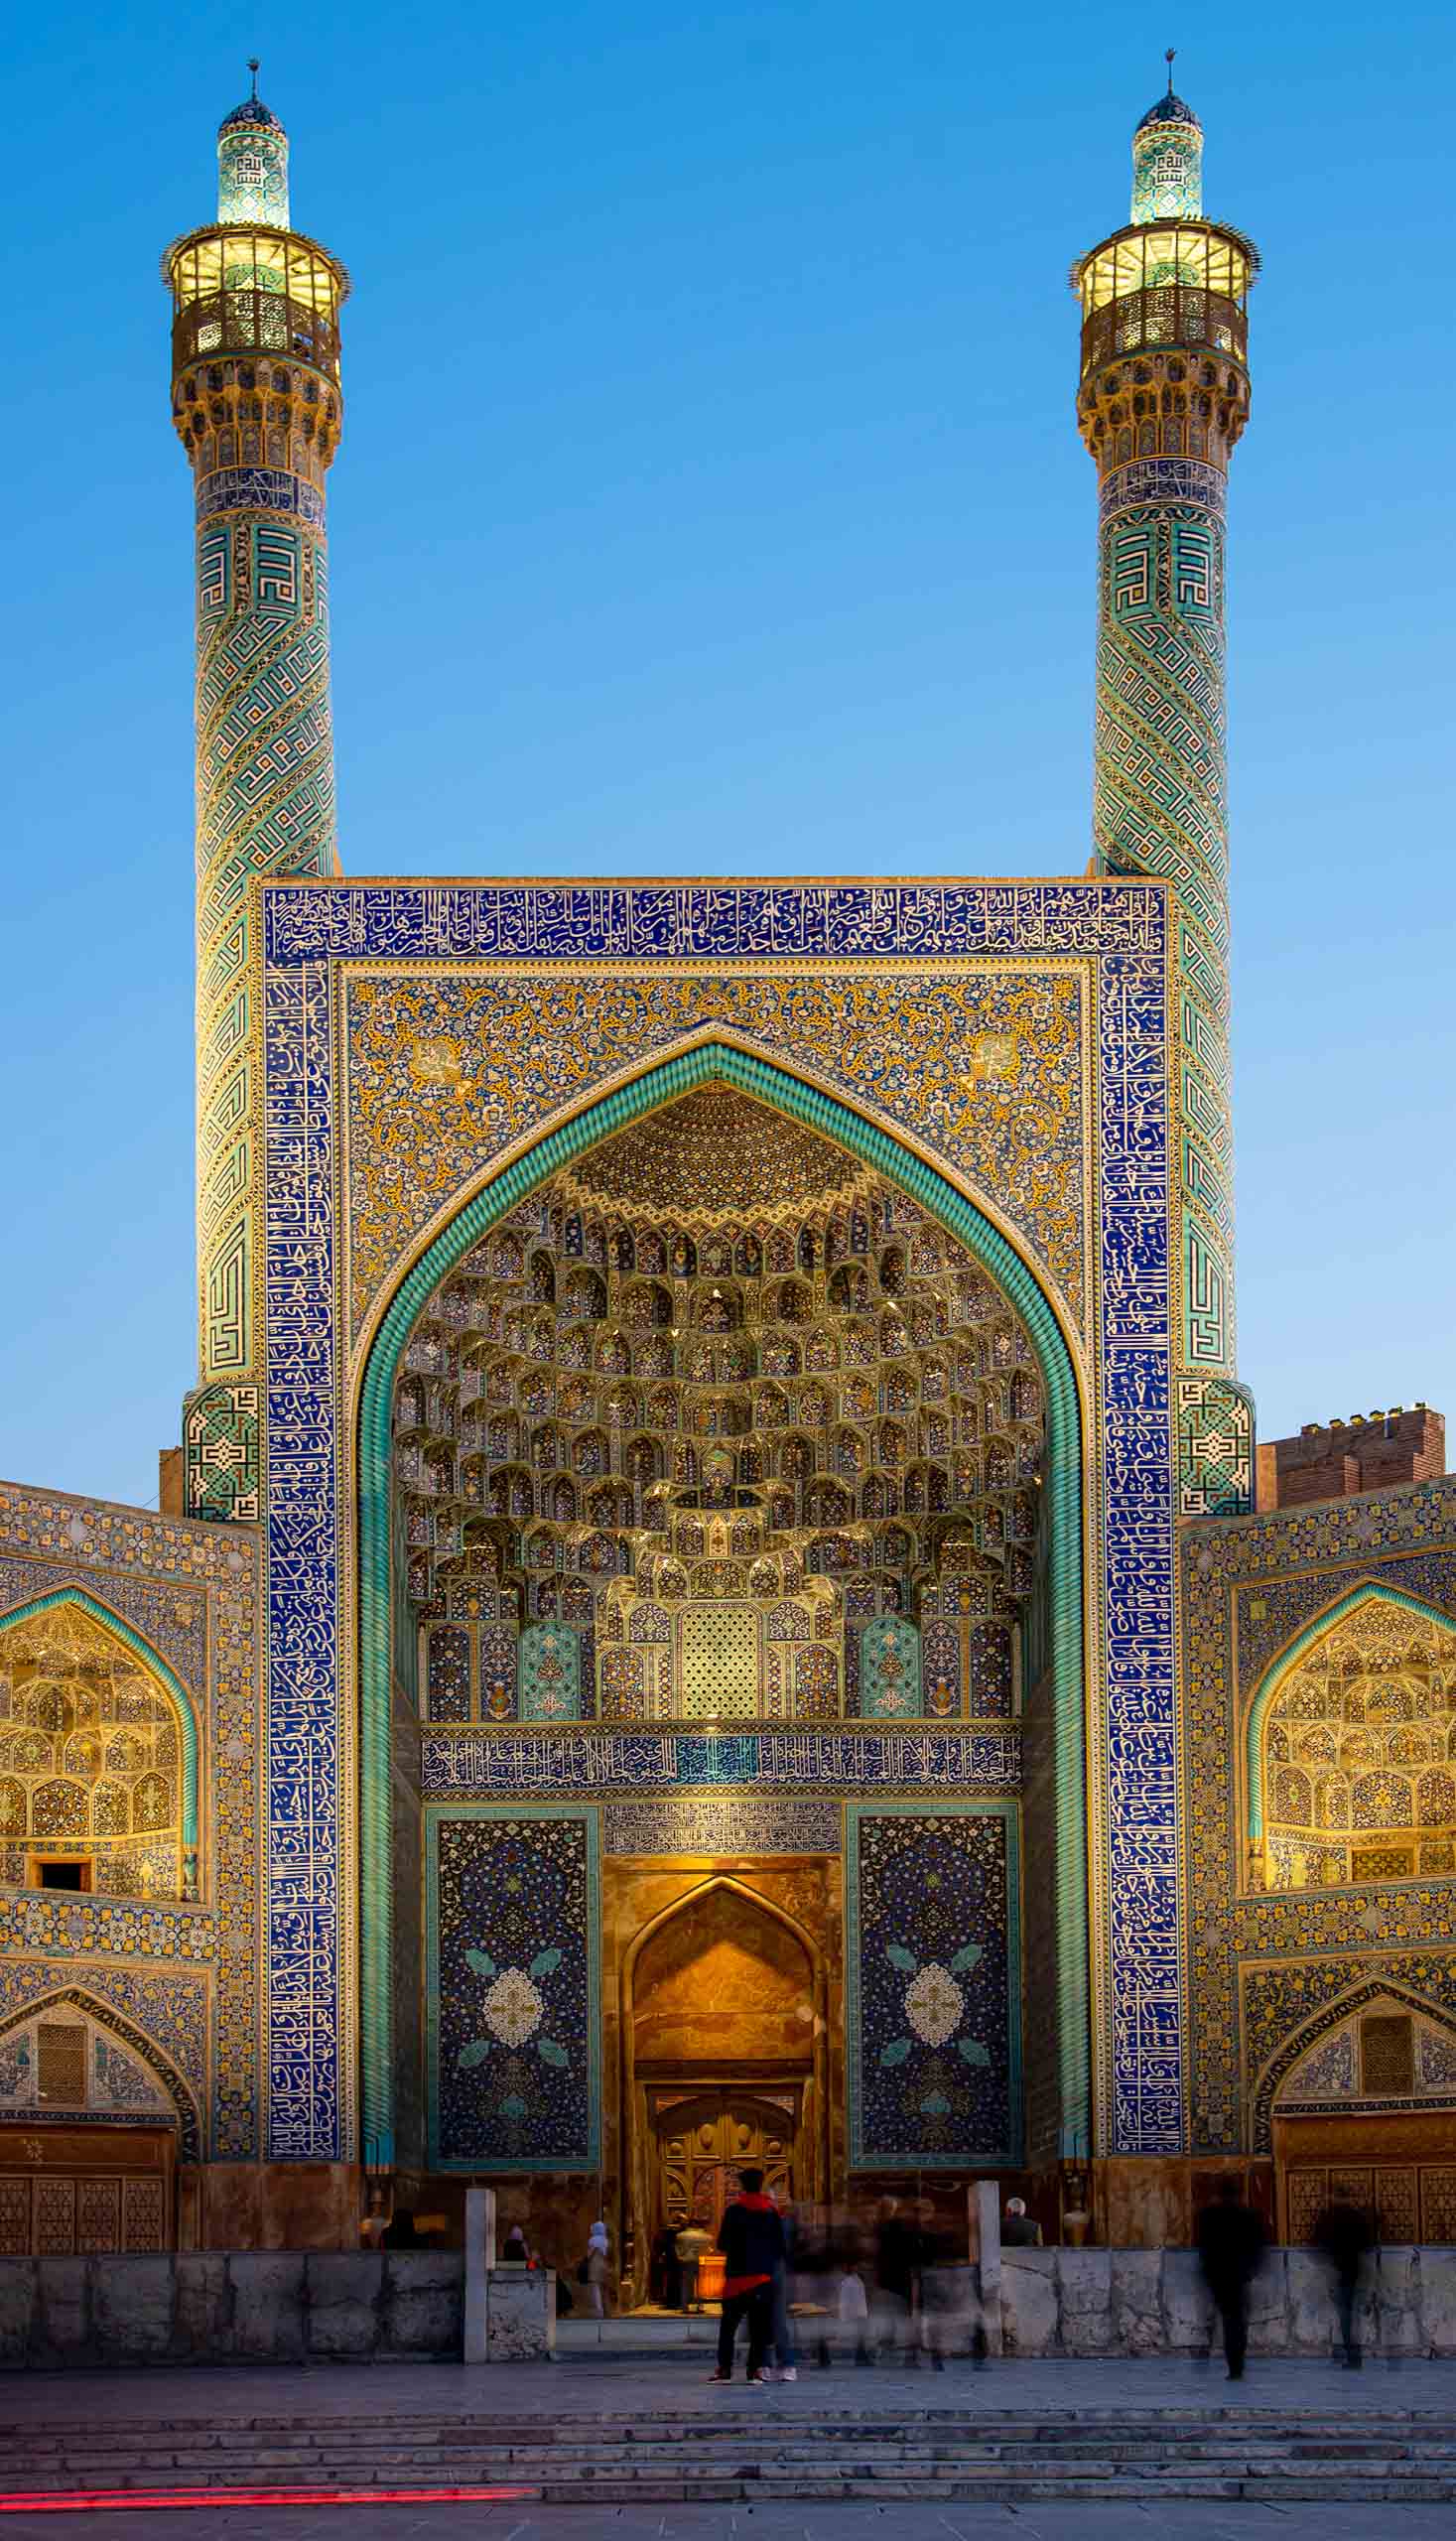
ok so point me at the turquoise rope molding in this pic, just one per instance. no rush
(150, 1657)
(1279, 1667)
(1063, 1487)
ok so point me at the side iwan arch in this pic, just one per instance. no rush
(151, 1658)
(785, 1092)
(1368, 1592)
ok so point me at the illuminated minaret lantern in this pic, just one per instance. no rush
(1163, 397)
(255, 398)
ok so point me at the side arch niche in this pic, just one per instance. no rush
(1350, 1749)
(711, 1461)
(98, 1755)
(93, 2125)
(1359, 2103)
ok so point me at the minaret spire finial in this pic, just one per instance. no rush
(1171, 57)
(255, 65)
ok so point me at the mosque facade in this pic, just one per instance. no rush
(716, 1597)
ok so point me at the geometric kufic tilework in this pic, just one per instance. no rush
(513, 1944)
(1160, 806)
(1215, 1447)
(933, 1969)
(221, 1446)
(1249, 1586)
(826, 941)
(265, 803)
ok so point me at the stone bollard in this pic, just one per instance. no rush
(480, 2260)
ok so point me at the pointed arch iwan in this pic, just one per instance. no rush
(777, 1086)
(151, 1658)
(1366, 1592)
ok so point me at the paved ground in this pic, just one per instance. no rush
(1070, 2522)
(620, 2390)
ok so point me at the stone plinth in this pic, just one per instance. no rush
(521, 2315)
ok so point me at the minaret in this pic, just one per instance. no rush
(255, 398)
(1162, 400)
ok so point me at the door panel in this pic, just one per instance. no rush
(701, 2144)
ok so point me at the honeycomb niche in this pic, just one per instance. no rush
(718, 1426)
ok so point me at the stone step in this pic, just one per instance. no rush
(775, 2442)
(758, 2448)
(779, 2465)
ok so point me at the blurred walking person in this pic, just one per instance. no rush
(1230, 2241)
(1345, 2238)
(896, 2282)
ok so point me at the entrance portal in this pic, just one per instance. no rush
(702, 2141)
(723, 2039)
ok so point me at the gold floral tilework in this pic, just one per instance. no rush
(986, 1066)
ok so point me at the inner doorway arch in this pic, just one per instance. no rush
(723, 2031)
(706, 1058)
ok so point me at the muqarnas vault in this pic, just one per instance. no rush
(710, 1602)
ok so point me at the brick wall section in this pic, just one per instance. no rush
(1378, 1451)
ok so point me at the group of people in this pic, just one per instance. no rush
(1230, 2247)
(897, 2291)
(894, 2289)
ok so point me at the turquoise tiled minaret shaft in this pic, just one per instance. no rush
(255, 398)
(1163, 397)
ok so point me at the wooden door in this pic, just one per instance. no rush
(71, 2190)
(703, 2142)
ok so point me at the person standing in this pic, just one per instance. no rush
(752, 2244)
(1344, 2239)
(1231, 2246)
(1018, 2230)
(596, 2271)
(896, 2280)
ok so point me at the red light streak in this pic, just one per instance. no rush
(93, 2500)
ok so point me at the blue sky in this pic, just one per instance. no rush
(709, 502)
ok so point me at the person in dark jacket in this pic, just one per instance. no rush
(1231, 2246)
(1018, 2230)
(1345, 2238)
(752, 2244)
(896, 2280)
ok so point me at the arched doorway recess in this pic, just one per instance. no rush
(707, 1061)
(723, 2023)
(98, 2124)
(1359, 2103)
